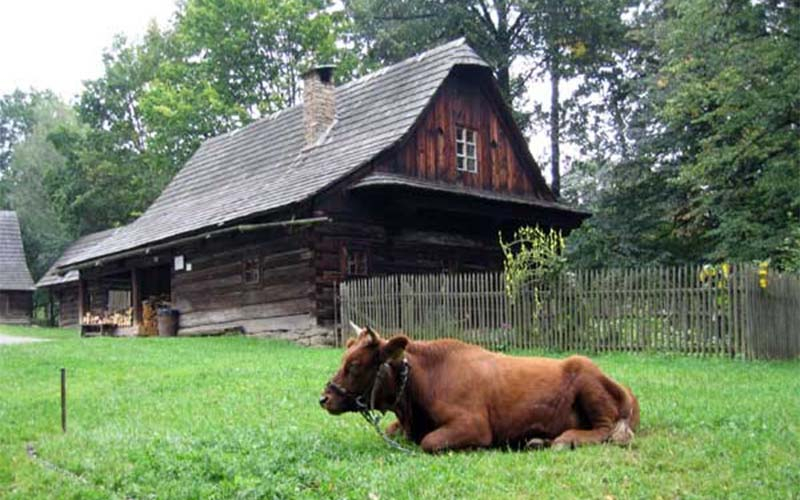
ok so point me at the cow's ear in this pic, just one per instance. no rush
(394, 348)
(350, 342)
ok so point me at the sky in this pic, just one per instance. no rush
(56, 44)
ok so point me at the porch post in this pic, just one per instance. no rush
(136, 296)
(83, 303)
(51, 313)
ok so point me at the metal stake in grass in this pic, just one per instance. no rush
(64, 399)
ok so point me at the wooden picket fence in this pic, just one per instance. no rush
(689, 309)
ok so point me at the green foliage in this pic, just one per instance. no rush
(238, 417)
(711, 165)
(35, 157)
(532, 258)
(731, 80)
(253, 53)
(17, 120)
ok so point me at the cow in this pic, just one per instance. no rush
(450, 395)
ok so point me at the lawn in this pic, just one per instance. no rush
(236, 417)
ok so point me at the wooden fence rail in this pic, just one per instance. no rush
(688, 309)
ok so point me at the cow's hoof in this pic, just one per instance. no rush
(393, 429)
(537, 444)
(622, 434)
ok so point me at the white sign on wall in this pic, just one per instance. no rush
(179, 263)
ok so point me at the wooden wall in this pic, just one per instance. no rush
(16, 307)
(67, 297)
(213, 296)
(393, 245)
(430, 152)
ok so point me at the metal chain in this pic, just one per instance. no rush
(374, 418)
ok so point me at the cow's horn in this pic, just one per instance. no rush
(355, 328)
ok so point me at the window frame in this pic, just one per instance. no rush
(255, 262)
(349, 253)
(463, 158)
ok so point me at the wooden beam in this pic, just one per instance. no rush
(136, 296)
(83, 303)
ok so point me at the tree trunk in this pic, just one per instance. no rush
(555, 127)
(504, 82)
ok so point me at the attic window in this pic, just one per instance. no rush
(466, 150)
(251, 274)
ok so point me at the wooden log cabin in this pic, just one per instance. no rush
(413, 168)
(16, 284)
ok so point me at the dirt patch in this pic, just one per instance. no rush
(9, 340)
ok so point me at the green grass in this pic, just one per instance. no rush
(236, 417)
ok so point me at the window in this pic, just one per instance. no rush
(119, 300)
(355, 262)
(251, 271)
(466, 150)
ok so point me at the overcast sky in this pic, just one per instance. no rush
(57, 44)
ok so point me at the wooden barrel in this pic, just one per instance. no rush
(167, 322)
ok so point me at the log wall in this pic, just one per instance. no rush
(214, 296)
(67, 297)
(16, 307)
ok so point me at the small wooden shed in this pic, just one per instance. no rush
(16, 284)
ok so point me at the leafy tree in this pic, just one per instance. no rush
(44, 235)
(17, 120)
(711, 169)
(252, 53)
(731, 82)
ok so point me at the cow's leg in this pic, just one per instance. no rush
(467, 432)
(602, 412)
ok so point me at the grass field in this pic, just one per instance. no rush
(236, 417)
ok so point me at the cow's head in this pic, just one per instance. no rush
(350, 388)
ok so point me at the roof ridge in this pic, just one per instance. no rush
(275, 114)
(415, 58)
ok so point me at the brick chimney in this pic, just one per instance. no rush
(319, 102)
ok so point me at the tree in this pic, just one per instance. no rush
(34, 156)
(710, 166)
(731, 82)
(252, 53)
(17, 119)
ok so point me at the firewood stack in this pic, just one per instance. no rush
(149, 326)
(119, 318)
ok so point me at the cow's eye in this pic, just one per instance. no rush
(352, 367)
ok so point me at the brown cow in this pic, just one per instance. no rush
(451, 395)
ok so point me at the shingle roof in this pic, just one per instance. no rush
(265, 166)
(51, 277)
(14, 273)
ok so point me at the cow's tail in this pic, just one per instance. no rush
(628, 405)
